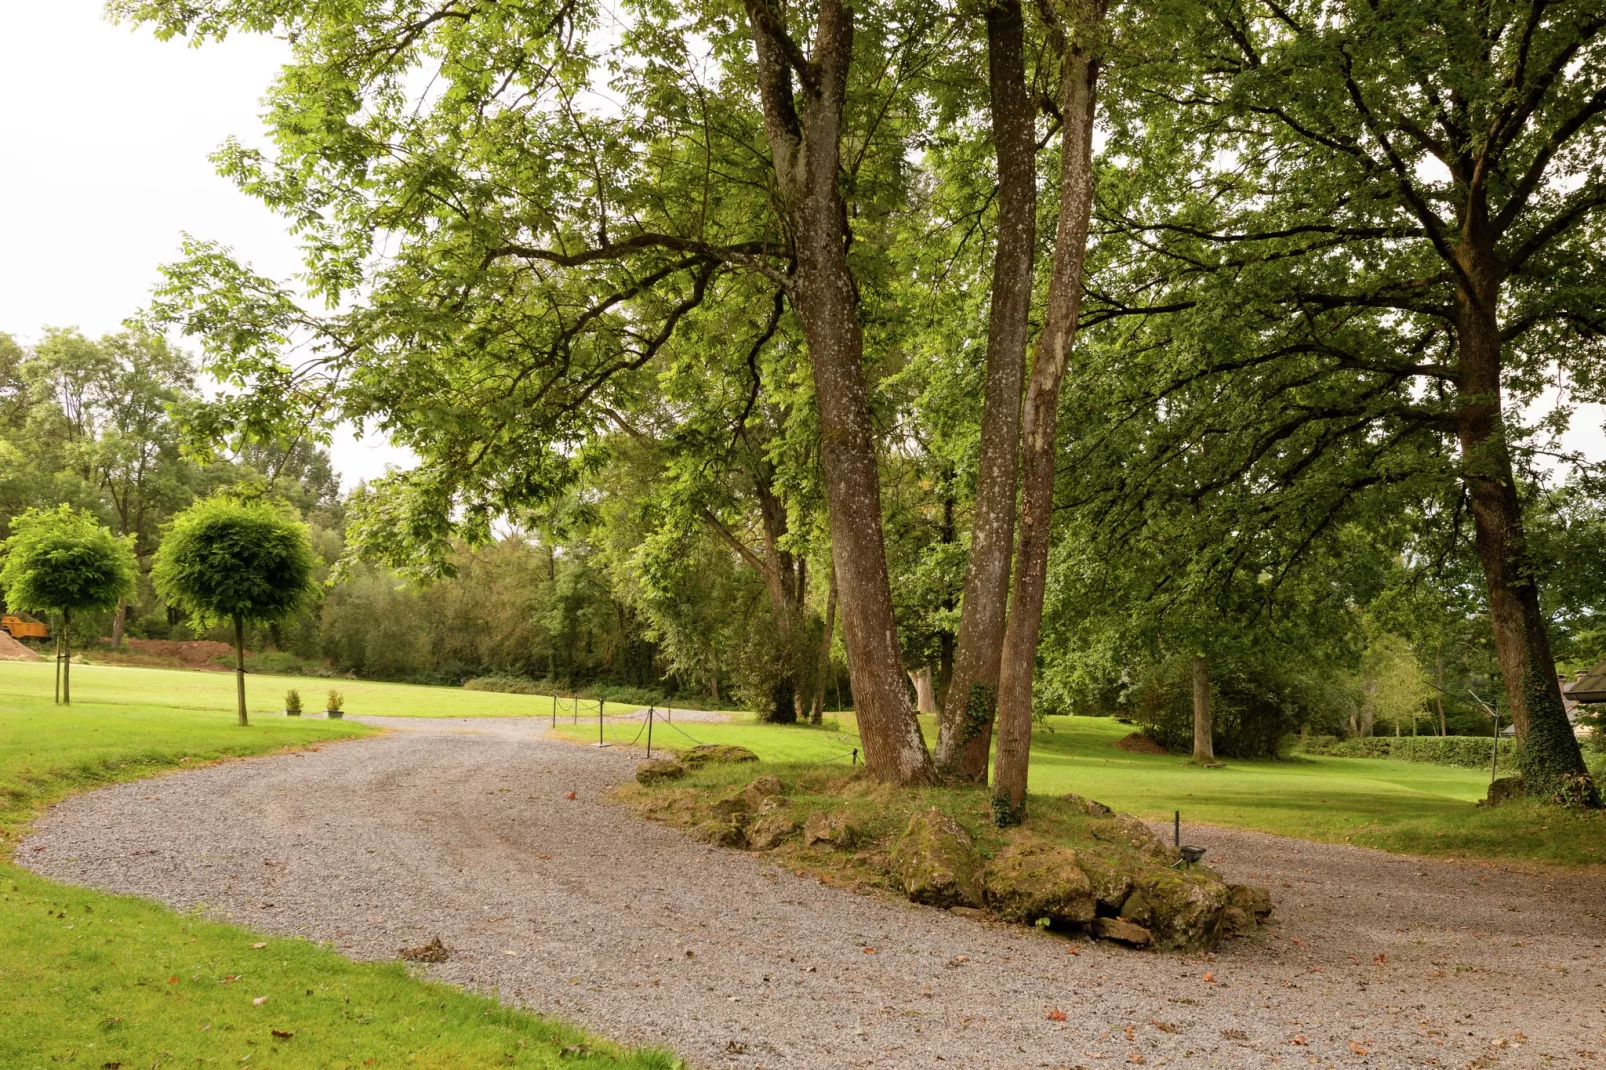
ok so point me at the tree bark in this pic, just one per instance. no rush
(1018, 662)
(239, 666)
(824, 667)
(806, 150)
(66, 660)
(1204, 743)
(117, 623)
(1440, 660)
(1550, 751)
(970, 700)
(925, 692)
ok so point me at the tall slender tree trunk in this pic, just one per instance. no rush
(824, 667)
(1550, 751)
(806, 150)
(1440, 660)
(1018, 662)
(66, 658)
(118, 620)
(971, 698)
(239, 666)
(1204, 725)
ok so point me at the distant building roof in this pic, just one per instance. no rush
(1587, 685)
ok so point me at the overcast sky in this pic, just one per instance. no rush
(105, 135)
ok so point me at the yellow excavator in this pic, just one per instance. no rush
(18, 628)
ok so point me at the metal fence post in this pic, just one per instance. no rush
(649, 731)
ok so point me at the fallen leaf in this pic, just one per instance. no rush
(1380, 959)
(1055, 1015)
(1357, 1049)
(258, 946)
(1073, 950)
(544, 858)
(1209, 978)
(1299, 943)
(871, 951)
(1299, 1040)
(570, 795)
(1235, 1034)
(281, 1034)
(172, 980)
(1164, 1027)
(259, 1001)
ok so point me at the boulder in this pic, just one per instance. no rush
(1087, 806)
(834, 828)
(1504, 790)
(1183, 911)
(659, 769)
(1110, 881)
(1253, 900)
(1026, 882)
(1128, 831)
(716, 753)
(765, 790)
(727, 832)
(770, 831)
(1122, 931)
(936, 863)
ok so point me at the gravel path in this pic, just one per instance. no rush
(581, 909)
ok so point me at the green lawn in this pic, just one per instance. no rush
(102, 685)
(95, 980)
(1395, 806)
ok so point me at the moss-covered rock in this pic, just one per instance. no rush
(763, 793)
(1247, 907)
(770, 831)
(648, 773)
(1504, 790)
(1109, 878)
(727, 832)
(1182, 910)
(716, 753)
(1087, 806)
(835, 828)
(936, 863)
(1127, 831)
(1026, 882)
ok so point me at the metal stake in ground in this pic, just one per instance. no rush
(649, 731)
(601, 705)
(554, 708)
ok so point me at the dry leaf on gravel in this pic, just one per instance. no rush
(1055, 1015)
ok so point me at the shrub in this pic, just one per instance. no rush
(292, 701)
(1467, 752)
(336, 701)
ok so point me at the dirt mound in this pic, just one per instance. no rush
(1138, 743)
(11, 650)
(195, 654)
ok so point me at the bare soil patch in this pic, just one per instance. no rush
(12, 650)
(1138, 743)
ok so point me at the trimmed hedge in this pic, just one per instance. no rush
(1468, 752)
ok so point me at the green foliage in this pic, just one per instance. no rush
(64, 561)
(223, 559)
(335, 702)
(1467, 752)
(292, 701)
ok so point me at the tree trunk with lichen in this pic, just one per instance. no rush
(805, 147)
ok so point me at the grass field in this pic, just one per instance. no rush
(1394, 806)
(95, 980)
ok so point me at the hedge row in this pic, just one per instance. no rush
(1469, 752)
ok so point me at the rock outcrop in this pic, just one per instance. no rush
(935, 862)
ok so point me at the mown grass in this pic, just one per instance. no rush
(95, 980)
(114, 685)
(1404, 807)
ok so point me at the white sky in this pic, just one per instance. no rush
(105, 135)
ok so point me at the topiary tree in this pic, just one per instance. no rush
(64, 561)
(223, 559)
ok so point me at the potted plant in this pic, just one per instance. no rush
(333, 706)
(292, 703)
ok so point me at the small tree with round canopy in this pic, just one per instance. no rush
(65, 561)
(223, 559)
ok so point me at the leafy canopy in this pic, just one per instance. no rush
(224, 559)
(63, 560)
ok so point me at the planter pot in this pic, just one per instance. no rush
(292, 713)
(335, 715)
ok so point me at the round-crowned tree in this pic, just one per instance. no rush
(65, 561)
(226, 560)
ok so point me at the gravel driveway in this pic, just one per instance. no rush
(580, 909)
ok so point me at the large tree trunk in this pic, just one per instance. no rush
(1550, 751)
(1018, 662)
(239, 667)
(824, 667)
(925, 691)
(970, 699)
(1204, 744)
(806, 151)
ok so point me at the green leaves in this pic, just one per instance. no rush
(63, 561)
(223, 559)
